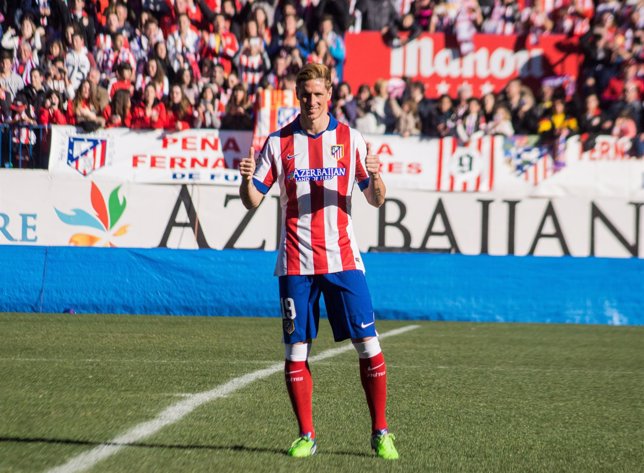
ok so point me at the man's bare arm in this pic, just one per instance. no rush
(250, 196)
(376, 190)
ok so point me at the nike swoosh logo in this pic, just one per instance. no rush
(291, 156)
(375, 367)
(292, 372)
(363, 325)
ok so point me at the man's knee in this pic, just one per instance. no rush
(367, 347)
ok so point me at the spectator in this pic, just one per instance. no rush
(559, 123)
(81, 21)
(407, 119)
(273, 79)
(290, 40)
(441, 21)
(76, 62)
(5, 104)
(525, 120)
(51, 112)
(488, 102)
(252, 63)
(150, 112)
(463, 95)
(160, 54)
(334, 45)
(614, 90)
(466, 22)
(221, 45)
(504, 18)
(122, 81)
(179, 114)
(424, 108)
(625, 130)
(263, 26)
(153, 74)
(472, 124)
(593, 122)
(55, 50)
(83, 111)
(118, 113)
(34, 93)
(183, 45)
(52, 15)
(9, 80)
(25, 62)
(56, 79)
(377, 15)
(381, 106)
(98, 91)
(338, 10)
(501, 123)
(631, 100)
(422, 11)
(511, 97)
(345, 108)
(445, 117)
(237, 116)
(366, 121)
(209, 110)
(189, 86)
(29, 34)
(124, 25)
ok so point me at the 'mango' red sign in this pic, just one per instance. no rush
(435, 60)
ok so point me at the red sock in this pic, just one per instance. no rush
(300, 389)
(373, 374)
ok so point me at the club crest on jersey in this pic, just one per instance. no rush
(337, 152)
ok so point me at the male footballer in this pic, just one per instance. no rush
(316, 160)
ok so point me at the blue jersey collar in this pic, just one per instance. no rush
(297, 128)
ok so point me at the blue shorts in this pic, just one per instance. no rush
(347, 301)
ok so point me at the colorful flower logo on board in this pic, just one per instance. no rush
(101, 223)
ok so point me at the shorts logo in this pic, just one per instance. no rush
(337, 152)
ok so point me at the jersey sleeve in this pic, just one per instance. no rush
(362, 176)
(265, 170)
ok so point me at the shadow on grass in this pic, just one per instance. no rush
(235, 448)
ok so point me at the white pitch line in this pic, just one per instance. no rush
(179, 410)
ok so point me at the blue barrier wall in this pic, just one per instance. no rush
(403, 286)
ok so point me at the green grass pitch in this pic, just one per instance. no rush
(462, 397)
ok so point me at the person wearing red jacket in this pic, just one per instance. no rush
(150, 112)
(118, 112)
(179, 111)
(50, 112)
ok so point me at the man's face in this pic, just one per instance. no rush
(314, 98)
(6, 64)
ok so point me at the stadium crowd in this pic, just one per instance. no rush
(178, 64)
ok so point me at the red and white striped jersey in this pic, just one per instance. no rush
(316, 175)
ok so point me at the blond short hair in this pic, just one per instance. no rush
(313, 71)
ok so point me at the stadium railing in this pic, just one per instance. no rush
(24, 146)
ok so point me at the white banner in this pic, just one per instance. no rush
(36, 209)
(518, 166)
(150, 156)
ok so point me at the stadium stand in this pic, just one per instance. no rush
(65, 62)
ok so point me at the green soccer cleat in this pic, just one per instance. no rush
(383, 444)
(303, 447)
